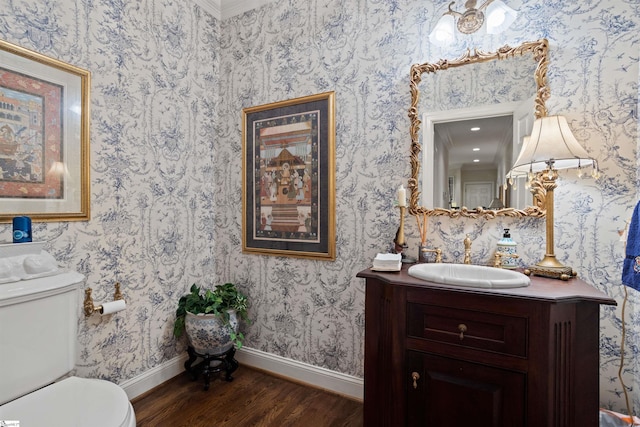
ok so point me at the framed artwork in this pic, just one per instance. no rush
(44, 137)
(288, 178)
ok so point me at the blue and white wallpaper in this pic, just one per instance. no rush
(154, 92)
(169, 82)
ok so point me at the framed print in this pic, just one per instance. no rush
(44, 137)
(288, 178)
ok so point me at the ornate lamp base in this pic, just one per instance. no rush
(562, 272)
(551, 267)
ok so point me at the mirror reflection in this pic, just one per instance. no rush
(470, 162)
(501, 93)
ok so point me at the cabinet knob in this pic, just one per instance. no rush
(415, 377)
(462, 328)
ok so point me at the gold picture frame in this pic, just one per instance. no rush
(44, 137)
(288, 178)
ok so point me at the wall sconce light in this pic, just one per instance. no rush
(550, 147)
(497, 15)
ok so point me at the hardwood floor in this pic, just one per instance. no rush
(253, 398)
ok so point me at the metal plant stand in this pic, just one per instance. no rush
(225, 360)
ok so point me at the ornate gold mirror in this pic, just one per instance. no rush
(491, 87)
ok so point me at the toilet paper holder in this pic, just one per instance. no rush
(90, 307)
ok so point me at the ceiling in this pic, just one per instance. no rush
(494, 134)
(223, 9)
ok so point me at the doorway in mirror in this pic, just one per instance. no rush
(478, 193)
(474, 148)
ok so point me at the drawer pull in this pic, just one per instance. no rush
(462, 328)
(415, 376)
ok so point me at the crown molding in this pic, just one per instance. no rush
(211, 6)
(223, 9)
(232, 8)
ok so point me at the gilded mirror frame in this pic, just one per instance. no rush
(539, 51)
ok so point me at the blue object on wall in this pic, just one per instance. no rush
(631, 266)
(21, 229)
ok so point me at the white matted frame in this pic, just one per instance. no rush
(44, 137)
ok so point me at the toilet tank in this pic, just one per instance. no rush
(38, 332)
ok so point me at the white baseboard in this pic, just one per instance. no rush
(315, 376)
(153, 377)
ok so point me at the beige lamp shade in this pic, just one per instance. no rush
(520, 172)
(551, 139)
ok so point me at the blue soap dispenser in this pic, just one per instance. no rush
(507, 246)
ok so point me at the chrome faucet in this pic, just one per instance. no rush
(467, 250)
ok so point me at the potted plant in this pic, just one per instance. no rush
(210, 318)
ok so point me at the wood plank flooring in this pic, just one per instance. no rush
(253, 398)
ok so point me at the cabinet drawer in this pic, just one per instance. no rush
(467, 328)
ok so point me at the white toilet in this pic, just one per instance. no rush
(38, 333)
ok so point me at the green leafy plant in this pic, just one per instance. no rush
(218, 301)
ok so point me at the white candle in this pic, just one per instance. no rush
(402, 196)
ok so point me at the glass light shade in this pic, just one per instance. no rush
(499, 17)
(551, 139)
(444, 31)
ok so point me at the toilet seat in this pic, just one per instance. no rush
(73, 402)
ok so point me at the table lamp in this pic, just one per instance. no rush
(551, 146)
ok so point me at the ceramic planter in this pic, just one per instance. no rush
(207, 334)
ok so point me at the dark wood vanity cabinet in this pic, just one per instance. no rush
(444, 356)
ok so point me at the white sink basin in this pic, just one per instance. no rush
(473, 276)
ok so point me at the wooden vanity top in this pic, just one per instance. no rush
(541, 288)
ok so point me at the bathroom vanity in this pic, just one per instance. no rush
(441, 355)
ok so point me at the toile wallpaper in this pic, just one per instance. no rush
(169, 82)
(154, 90)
